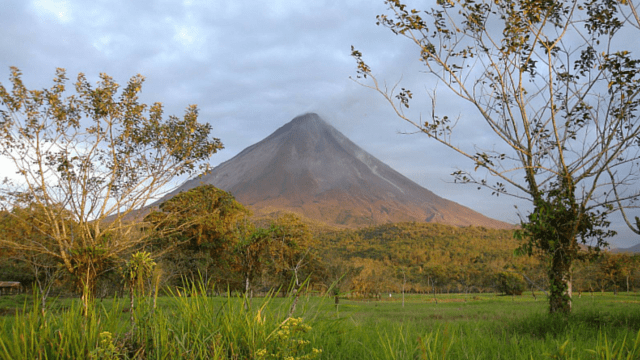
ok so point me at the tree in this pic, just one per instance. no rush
(20, 226)
(615, 270)
(510, 283)
(628, 264)
(435, 274)
(338, 274)
(199, 227)
(291, 250)
(250, 252)
(292, 253)
(553, 85)
(371, 277)
(402, 270)
(98, 155)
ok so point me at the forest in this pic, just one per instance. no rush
(205, 235)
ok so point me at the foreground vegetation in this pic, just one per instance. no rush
(192, 325)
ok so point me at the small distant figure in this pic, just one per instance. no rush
(389, 294)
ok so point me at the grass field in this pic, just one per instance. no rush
(486, 326)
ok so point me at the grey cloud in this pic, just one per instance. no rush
(251, 67)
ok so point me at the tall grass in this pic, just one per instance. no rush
(68, 335)
(189, 324)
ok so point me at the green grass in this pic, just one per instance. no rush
(198, 327)
(489, 327)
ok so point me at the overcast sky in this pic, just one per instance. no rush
(250, 67)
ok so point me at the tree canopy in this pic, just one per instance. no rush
(199, 228)
(555, 87)
(97, 154)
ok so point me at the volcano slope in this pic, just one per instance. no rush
(310, 168)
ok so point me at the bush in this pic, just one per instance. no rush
(510, 283)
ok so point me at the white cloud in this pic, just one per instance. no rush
(56, 9)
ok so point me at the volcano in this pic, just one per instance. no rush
(309, 167)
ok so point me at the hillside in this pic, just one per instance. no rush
(454, 258)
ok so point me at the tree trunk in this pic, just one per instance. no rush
(292, 309)
(131, 305)
(87, 292)
(560, 284)
(627, 283)
(246, 291)
(433, 286)
(404, 281)
(295, 291)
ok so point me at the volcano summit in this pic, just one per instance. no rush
(309, 167)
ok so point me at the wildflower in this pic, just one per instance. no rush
(261, 353)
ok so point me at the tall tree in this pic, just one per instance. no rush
(554, 86)
(199, 227)
(250, 253)
(292, 250)
(97, 154)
